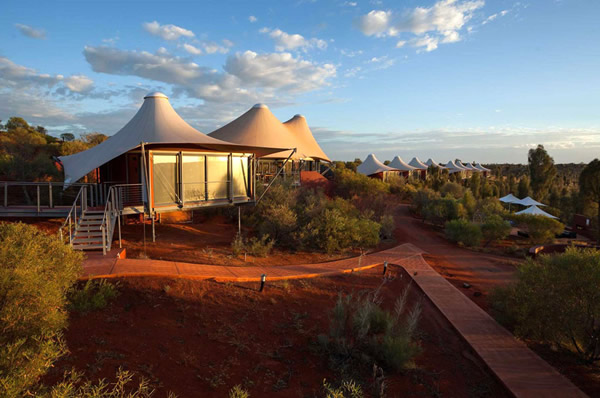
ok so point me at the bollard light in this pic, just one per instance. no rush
(384, 267)
(263, 279)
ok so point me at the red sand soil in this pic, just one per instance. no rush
(200, 338)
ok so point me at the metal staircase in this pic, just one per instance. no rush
(88, 232)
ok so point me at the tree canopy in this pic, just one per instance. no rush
(541, 172)
(589, 185)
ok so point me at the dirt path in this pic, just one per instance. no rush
(482, 271)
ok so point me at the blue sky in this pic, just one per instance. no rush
(470, 79)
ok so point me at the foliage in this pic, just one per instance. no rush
(75, 387)
(452, 189)
(463, 231)
(362, 333)
(495, 228)
(469, 203)
(260, 247)
(349, 184)
(238, 392)
(439, 211)
(95, 295)
(556, 300)
(541, 172)
(540, 229)
(348, 389)
(589, 184)
(388, 225)
(523, 189)
(237, 245)
(36, 272)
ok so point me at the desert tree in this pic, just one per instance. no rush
(541, 171)
(589, 185)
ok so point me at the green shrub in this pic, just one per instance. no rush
(463, 231)
(452, 189)
(421, 199)
(237, 245)
(260, 247)
(439, 211)
(556, 300)
(348, 389)
(36, 271)
(388, 225)
(238, 392)
(540, 229)
(349, 184)
(495, 228)
(279, 222)
(362, 333)
(469, 203)
(95, 295)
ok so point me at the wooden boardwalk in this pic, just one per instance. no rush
(521, 371)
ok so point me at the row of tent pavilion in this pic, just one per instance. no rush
(532, 205)
(373, 167)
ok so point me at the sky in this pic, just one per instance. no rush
(479, 80)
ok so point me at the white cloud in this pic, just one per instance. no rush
(351, 54)
(30, 31)
(191, 49)
(440, 23)
(350, 3)
(376, 22)
(252, 18)
(285, 41)
(167, 32)
(494, 16)
(79, 83)
(212, 47)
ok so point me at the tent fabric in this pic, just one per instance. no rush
(463, 166)
(156, 122)
(399, 164)
(536, 211)
(478, 166)
(528, 201)
(306, 141)
(372, 165)
(510, 198)
(417, 164)
(431, 162)
(471, 167)
(453, 168)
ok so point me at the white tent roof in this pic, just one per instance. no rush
(510, 198)
(453, 168)
(431, 162)
(156, 122)
(478, 166)
(417, 164)
(463, 166)
(400, 164)
(306, 141)
(528, 201)
(535, 211)
(372, 165)
(471, 167)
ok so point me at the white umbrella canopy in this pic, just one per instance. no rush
(510, 198)
(528, 201)
(156, 122)
(399, 164)
(417, 164)
(372, 165)
(431, 162)
(535, 211)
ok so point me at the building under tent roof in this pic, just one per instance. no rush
(258, 126)
(529, 201)
(372, 167)
(469, 166)
(453, 168)
(422, 167)
(484, 170)
(431, 162)
(535, 211)
(399, 164)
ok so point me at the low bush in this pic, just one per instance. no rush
(36, 272)
(237, 245)
(452, 189)
(495, 228)
(347, 389)
(94, 295)
(260, 247)
(363, 334)
(439, 211)
(388, 225)
(463, 231)
(238, 392)
(349, 184)
(540, 229)
(556, 300)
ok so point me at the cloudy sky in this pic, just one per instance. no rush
(475, 79)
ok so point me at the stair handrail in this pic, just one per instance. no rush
(72, 215)
(105, 225)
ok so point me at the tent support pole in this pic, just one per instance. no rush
(153, 230)
(276, 175)
(239, 220)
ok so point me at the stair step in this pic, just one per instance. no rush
(88, 234)
(91, 222)
(78, 240)
(88, 216)
(94, 211)
(87, 247)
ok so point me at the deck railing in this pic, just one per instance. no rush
(72, 221)
(44, 195)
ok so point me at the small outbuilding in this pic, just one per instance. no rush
(405, 169)
(422, 167)
(372, 167)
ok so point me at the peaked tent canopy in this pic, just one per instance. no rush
(417, 164)
(431, 162)
(471, 167)
(156, 122)
(478, 166)
(510, 198)
(306, 141)
(536, 211)
(453, 168)
(399, 164)
(528, 201)
(372, 165)
(464, 166)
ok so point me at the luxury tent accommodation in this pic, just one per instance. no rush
(484, 170)
(453, 168)
(372, 167)
(510, 199)
(536, 211)
(431, 162)
(258, 126)
(468, 170)
(159, 161)
(404, 169)
(422, 167)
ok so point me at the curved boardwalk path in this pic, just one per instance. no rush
(522, 372)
